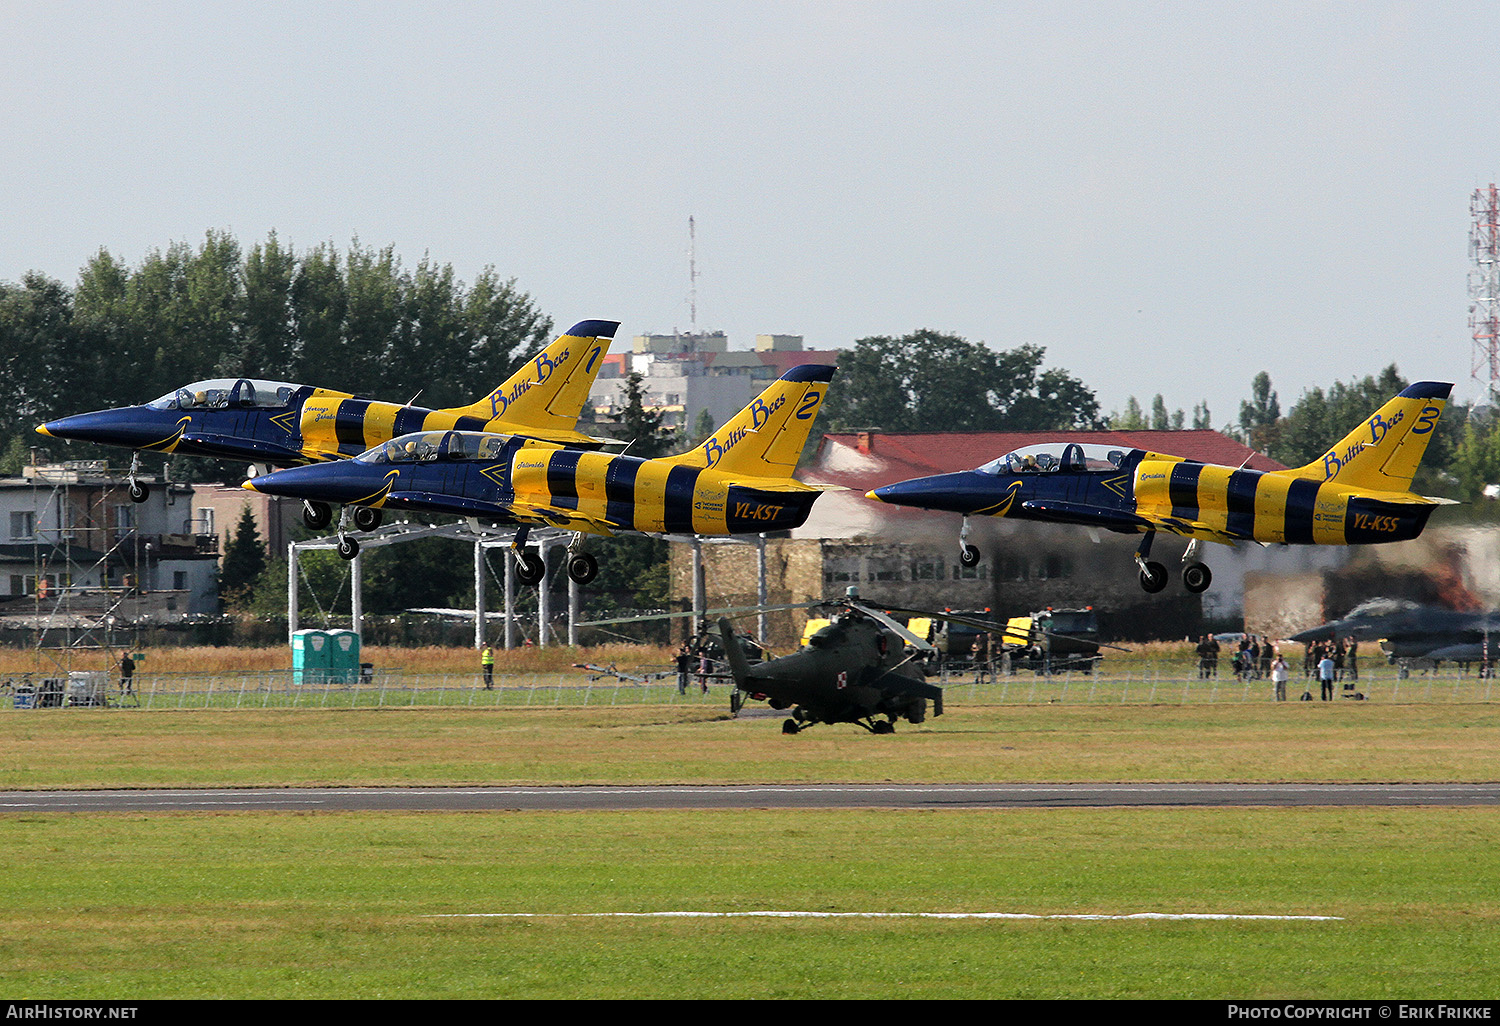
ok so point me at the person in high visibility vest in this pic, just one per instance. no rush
(487, 660)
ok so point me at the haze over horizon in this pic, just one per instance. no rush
(1169, 197)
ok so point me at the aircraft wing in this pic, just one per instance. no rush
(256, 450)
(553, 516)
(1126, 522)
(1089, 516)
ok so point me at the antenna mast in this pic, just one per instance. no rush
(692, 283)
(1484, 288)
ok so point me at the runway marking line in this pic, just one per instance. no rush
(868, 915)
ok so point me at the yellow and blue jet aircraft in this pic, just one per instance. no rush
(739, 481)
(1356, 493)
(280, 424)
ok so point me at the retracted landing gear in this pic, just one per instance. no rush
(1153, 575)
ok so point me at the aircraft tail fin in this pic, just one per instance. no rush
(739, 666)
(765, 439)
(548, 393)
(1383, 452)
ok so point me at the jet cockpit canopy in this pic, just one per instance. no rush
(424, 446)
(1054, 457)
(227, 393)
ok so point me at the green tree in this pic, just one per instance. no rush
(1132, 419)
(244, 563)
(929, 381)
(640, 425)
(1260, 417)
(703, 426)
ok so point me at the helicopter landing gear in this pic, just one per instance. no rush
(790, 726)
(316, 515)
(883, 727)
(138, 491)
(736, 702)
(367, 518)
(968, 555)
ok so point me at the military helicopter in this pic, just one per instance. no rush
(863, 667)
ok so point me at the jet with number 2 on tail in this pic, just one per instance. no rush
(279, 424)
(1357, 493)
(738, 481)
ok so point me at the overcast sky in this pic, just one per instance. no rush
(1169, 197)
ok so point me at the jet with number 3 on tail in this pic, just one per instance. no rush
(1356, 493)
(280, 424)
(738, 481)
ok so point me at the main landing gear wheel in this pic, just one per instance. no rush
(969, 556)
(582, 568)
(138, 492)
(529, 567)
(790, 726)
(348, 548)
(736, 702)
(1153, 577)
(1196, 577)
(316, 515)
(883, 727)
(367, 518)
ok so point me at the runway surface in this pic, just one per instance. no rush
(775, 796)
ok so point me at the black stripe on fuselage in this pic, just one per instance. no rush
(562, 478)
(619, 490)
(1301, 498)
(409, 419)
(677, 500)
(1239, 503)
(349, 425)
(1182, 489)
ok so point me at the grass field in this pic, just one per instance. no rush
(332, 905)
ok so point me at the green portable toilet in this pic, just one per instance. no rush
(311, 654)
(343, 657)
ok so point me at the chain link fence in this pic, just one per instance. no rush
(393, 688)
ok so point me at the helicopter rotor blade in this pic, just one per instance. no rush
(921, 644)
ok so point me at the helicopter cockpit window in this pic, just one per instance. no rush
(1055, 457)
(222, 393)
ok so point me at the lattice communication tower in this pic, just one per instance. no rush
(1484, 288)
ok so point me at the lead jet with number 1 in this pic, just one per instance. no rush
(280, 424)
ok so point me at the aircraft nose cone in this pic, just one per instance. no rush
(954, 493)
(131, 428)
(343, 481)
